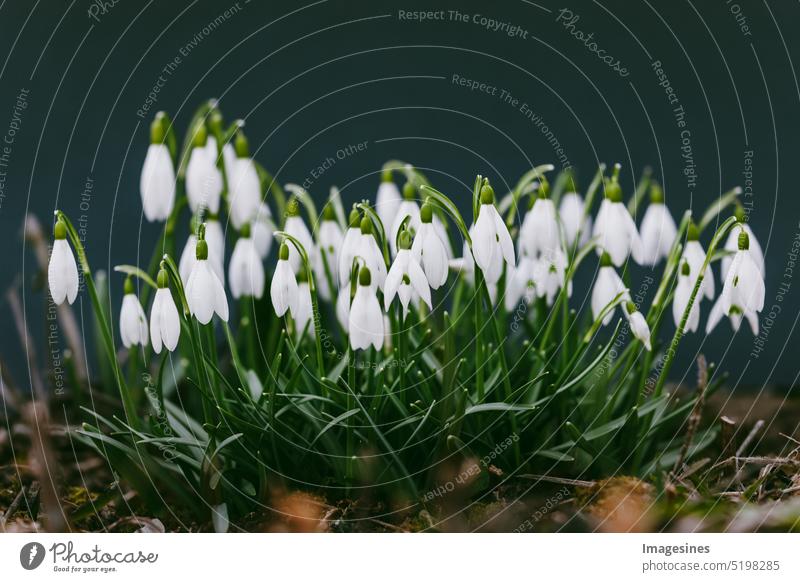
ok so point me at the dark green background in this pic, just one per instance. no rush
(311, 79)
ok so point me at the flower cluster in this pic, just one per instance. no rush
(402, 249)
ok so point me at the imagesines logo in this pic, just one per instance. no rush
(31, 555)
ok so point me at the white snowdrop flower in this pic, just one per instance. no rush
(491, 243)
(347, 251)
(369, 252)
(329, 242)
(520, 283)
(466, 266)
(428, 249)
(244, 194)
(284, 290)
(683, 293)
(614, 228)
(539, 233)
(695, 255)
(549, 274)
(216, 251)
(245, 271)
(262, 229)
(62, 271)
(742, 292)
(132, 320)
(388, 200)
(204, 291)
(157, 181)
(441, 232)
(305, 309)
(203, 178)
(638, 324)
(658, 230)
(606, 287)
(297, 228)
(165, 324)
(365, 324)
(732, 244)
(406, 277)
(574, 219)
(407, 208)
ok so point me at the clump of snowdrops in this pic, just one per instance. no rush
(369, 349)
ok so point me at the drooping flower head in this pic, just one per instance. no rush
(203, 178)
(244, 185)
(165, 325)
(606, 288)
(297, 228)
(539, 233)
(349, 246)
(638, 324)
(743, 291)
(491, 242)
(388, 200)
(614, 227)
(683, 294)
(695, 255)
(245, 271)
(62, 271)
(407, 208)
(157, 181)
(204, 291)
(283, 290)
(658, 229)
(367, 249)
(329, 243)
(732, 243)
(406, 277)
(366, 323)
(132, 320)
(429, 250)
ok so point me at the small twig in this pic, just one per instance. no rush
(696, 415)
(750, 437)
(783, 461)
(560, 480)
(12, 508)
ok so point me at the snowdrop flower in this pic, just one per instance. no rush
(491, 243)
(157, 181)
(683, 293)
(365, 325)
(521, 283)
(367, 249)
(244, 185)
(216, 251)
(638, 324)
(245, 271)
(298, 229)
(743, 290)
(204, 291)
(62, 272)
(132, 320)
(732, 244)
(539, 231)
(305, 309)
(466, 266)
(284, 290)
(658, 230)
(694, 254)
(429, 250)
(574, 219)
(165, 325)
(203, 178)
(407, 207)
(262, 229)
(406, 276)
(549, 274)
(606, 288)
(347, 251)
(388, 200)
(615, 229)
(329, 241)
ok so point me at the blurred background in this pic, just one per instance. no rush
(705, 93)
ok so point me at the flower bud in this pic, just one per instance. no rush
(364, 277)
(487, 194)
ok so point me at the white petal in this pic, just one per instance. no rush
(62, 273)
(157, 183)
(419, 282)
(365, 325)
(283, 289)
(203, 181)
(201, 292)
(244, 191)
